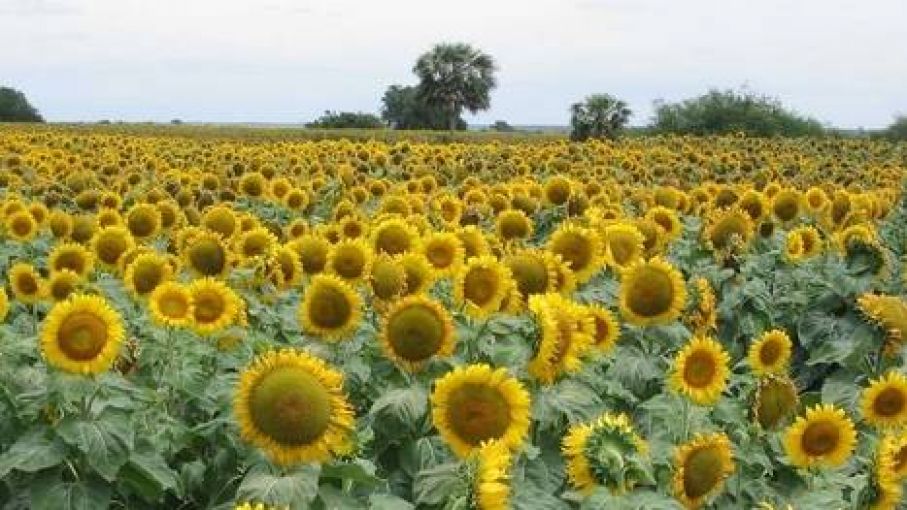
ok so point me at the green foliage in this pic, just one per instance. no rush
(897, 131)
(14, 107)
(347, 120)
(598, 116)
(730, 111)
(403, 108)
(454, 77)
(502, 126)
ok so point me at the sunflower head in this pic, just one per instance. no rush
(580, 247)
(110, 243)
(351, 260)
(82, 335)
(416, 329)
(476, 403)
(700, 468)
(889, 313)
(513, 225)
(394, 237)
(330, 309)
(146, 272)
(21, 226)
(533, 272)
(28, 286)
(491, 485)
(71, 256)
(701, 371)
(786, 205)
(313, 252)
(884, 402)
(606, 452)
(143, 221)
(214, 305)
(775, 401)
(62, 284)
(291, 405)
(606, 328)
(886, 480)
(387, 278)
(170, 304)
(222, 220)
(729, 230)
(481, 285)
(624, 244)
(651, 292)
(824, 437)
(206, 255)
(565, 334)
(256, 243)
(444, 251)
(770, 353)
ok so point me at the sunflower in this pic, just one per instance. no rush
(110, 218)
(793, 248)
(21, 226)
(415, 329)
(62, 283)
(82, 335)
(700, 468)
(4, 304)
(146, 272)
(786, 205)
(27, 285)
(256, 243)
(770, 353)
(809, 238)
(701, 371)
(702, 314)
(667, 219)
(558, 190)
(580, 247)
(287, 269)
(330, 309)
(607, 329)
(477, 403)
(729, 230)
(651, 292)
(623, 244)
(775, 401)
(350, 259)
(221, 219)
(474, 242)
(444, 251)
(291, 405)
(419, 273)
(61, 224)
(605, 452)
(143, 221)
(207, 255)
(395, 236)
(513, 225)
(890, 313)
(884, 402)
(170, 304)
(824, 437)
(533, 271)
(492, 478)
(894, 446)
(313, 252)
(110, 243)
(388, 278)
(886, 481)
(71, 256)
(565, 334)
(654, 238)
(214, 305)
(481, 286)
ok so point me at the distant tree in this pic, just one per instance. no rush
(897, 131)
(176, 122)
(729, 111)
(454, 77)
(598, 116)
(403, 108)
(502, 126)
(357, 120)
(14, 107)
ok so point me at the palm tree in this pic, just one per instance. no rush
(599, 116)
(454, 77)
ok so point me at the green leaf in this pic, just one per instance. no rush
(32, 452)
(360, 471)
(49, 492)
(333, 498)
(388, 502)
(636, 500)
(296, 489)
(149, 475)
(105, 440)
(401, 407)
(438, 484)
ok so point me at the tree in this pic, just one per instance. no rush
(403, 108)
(729, 111)
(502, 126)
(897, 131)
(357, 120)
(454, 77)
(14, 107)
(598, 116)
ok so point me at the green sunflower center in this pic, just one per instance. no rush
(416, 332)
(207, 257)
(651, 293)
(330, 308)
(702, 471)
(290, 406)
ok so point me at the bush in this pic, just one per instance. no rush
(729, 111)
(403, 108)
(598, 116)
(356, 120)
(14, 107)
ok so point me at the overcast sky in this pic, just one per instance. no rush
(844, 62)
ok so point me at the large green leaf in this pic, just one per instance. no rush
(34, 451)
(106, 440)
(148, 474)
(49, 492)
(295, 489)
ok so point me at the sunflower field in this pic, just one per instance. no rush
(654, 323)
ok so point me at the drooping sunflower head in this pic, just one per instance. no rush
(702, 311)
(82, 335)
(214, 305)
(889, 313)
(770, 353)
(291, 405)
(110, 243)
(71, 256)
(700, 468)
(793, 248)
(21, 226)
(444, 251)
(146, 272)
(513, 225)
(170, 304)
(207, 255)
(624, 244)
(62, 284)
(606, 452)
(775, 401)
(701, 371)
(886, 480)
(532, 271)
(565, 334)
(654, 238)
(416, 329)
(481, 285)
(476, 403)
(330, 309)
(824, 437)
(884, 402)
(395, 236)
(143, 221)
(580, 247)
(27, 284)
(607, 329)
(651, 292)
(810, 239)
(351, 260)
(894, 446)
(286, 269)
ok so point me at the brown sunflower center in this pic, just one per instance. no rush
(575, 249)
(651, 293)
(602, 329)
(330, 308)
(441, 255)
(72, 260)
(820, 438)
(700, 369)
(209, 307)
(786, 208)
(290, 406)
(348, 262)
(623, 249)
(255, 245)
(27, 284)
(207, 257)
(770, 353)
(480, 285)
(477, 412)
(702, 471)
(82, 336)
(313, 258)
(531, 275)
(146, 277)
(142, 223)
(514, 227)
(111, 247)
(393, 240)
(900, 460)
(416, 332)
(889, 402)
(22, 226)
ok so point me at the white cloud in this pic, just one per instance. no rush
(285, 60)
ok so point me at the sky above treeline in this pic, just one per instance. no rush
(285, 61)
